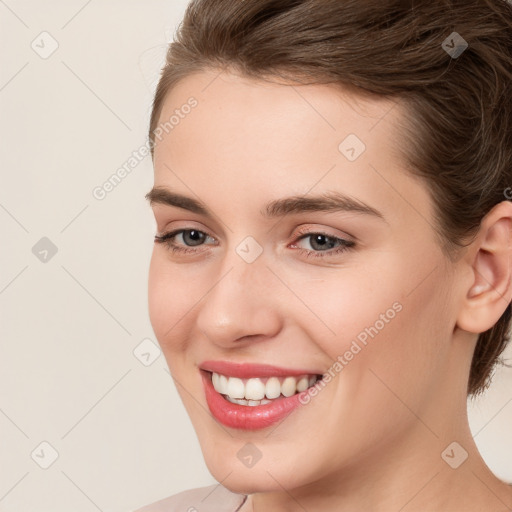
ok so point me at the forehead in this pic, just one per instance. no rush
(250, 135)
(236, 104)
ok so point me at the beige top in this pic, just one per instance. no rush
(214, 498)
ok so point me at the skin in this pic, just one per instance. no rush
(372, 439)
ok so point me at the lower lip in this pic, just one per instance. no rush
(246, 417)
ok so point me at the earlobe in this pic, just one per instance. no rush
(491, 268)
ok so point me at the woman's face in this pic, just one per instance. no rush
(303, 287)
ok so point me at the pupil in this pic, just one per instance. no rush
(322, 242)
(196, 237)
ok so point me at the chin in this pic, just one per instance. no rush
(247, 483)
(263, 477)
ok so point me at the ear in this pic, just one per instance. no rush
(490, 258)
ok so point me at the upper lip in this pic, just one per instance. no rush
(248, 370)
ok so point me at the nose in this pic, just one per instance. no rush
(244, 305)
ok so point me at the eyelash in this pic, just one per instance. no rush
(345, 245)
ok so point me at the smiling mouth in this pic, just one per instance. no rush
(260, 391)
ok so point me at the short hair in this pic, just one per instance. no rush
(449, 62)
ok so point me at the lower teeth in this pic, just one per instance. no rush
(251, 403)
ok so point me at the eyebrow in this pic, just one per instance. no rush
(327, 202)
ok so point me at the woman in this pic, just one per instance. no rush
(331, 275)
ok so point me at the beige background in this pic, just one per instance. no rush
(70, 324)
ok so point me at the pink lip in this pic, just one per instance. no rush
(247, 417)
(248, 370)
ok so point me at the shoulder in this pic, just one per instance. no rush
(214, 498)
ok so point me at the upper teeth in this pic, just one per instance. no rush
(257, 389)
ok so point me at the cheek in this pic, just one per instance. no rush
(376, 320)
(352, 306)
(402, 359)
(176, 293)
(169, 300)
(156, 296)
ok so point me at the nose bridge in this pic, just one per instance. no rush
(240, 302)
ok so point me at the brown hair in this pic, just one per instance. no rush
(459, 107)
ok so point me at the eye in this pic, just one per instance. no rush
(322, 244)
(190, 238)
